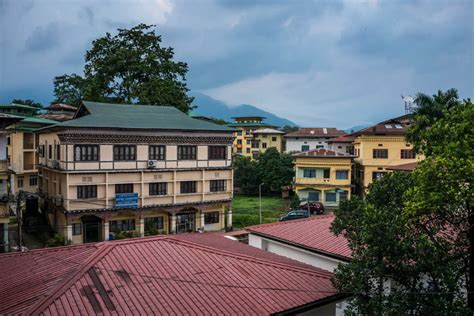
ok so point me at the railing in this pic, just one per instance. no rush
(3, 165)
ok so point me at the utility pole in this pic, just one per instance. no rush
(260, 199)
(19, 219)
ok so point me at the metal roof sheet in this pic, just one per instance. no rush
(315, 132)
(322, 153)
(160, 275)
(310, 233)
(133, 116)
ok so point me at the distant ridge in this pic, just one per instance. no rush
(208, 106)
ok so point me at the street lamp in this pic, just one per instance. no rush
(260, 199)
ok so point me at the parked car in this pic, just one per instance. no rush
(314, 208)
(296, 214)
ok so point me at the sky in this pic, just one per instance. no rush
(317, 63)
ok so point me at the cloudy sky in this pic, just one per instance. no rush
(318, 63)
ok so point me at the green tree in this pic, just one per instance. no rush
(130, 67)
(245, 175)
(28, 102)
(401, 264)
(274, 170)
(288, 129)
(443, 191)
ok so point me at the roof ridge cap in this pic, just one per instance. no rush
(47, 249)
(39, 306)
(322, 273)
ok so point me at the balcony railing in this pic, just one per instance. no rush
(3, 165)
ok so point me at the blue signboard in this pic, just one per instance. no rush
(126, 200)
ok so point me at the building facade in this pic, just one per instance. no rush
(324, 176)
(265, 138)
(129, 170)
(310, 138)
(343, 144)
(244, 126)
(379, 148)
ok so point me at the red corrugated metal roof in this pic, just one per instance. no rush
(321, 153)
(342, 139)
(311, 233)
(165, 275)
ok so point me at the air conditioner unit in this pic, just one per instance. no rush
(152, 163)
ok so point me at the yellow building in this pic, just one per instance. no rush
(243, 135)
(135, 170)
(324, 176)
(380, 148)
(265, 138)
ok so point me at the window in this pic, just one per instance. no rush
(157, 152)
(350, 149)
(343, 196)
(309, 173)
(247, 150)
(186, 152)
(33, 181)
(153, 224)
(76, 229)
(20, 182)
(122, 225)
(217, 185)
(41, 150)
(327, 173)
(211, 218)
(159, 188)
(274, 139)
(58, 152)
(377, 175)
(330, 196)
(264, 135)
(342, 174)
(86, 152)
(239, 142)
(239, 133)
(86, 191)
(248, 141)
(380, 153)
(407, 154)
(217, 152)
(50, 151)
(239, 150)
(264, 145)
(9, 142)
(188, 187)
(304, 147)
(124, 188)
(125, 152)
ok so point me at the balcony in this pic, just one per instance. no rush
(3, 165)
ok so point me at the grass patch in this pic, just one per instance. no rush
(245, 210)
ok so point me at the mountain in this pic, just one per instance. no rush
(208, 106)
(356, 128)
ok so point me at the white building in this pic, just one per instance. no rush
(305, 139)
(343, 144)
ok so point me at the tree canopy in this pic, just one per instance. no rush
(412, 237)
(271, 168)
(129, 67)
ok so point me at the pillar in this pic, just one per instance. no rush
(229, 216)
(173, 224)
(106, 230)
(141, 227)
(201, 217)
(69, 234)
(5, 237)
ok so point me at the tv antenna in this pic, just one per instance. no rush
(410, 104)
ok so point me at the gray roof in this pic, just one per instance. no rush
(132, 116)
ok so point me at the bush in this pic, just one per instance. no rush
(57, 241)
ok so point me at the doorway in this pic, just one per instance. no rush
(92, 228)
(185, 222)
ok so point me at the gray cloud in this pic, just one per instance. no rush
(337, 63)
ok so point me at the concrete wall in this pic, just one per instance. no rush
(293, 144)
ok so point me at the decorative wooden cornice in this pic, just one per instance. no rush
(76, 138)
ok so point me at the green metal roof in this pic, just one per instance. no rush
(249, 125)
(131, 116)
(19, 106)
(38, 120)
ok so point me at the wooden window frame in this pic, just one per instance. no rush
(86, 152)
(187, 187)
(380, 153)
(211, 218)
(124, 188)
(157, 152)
(187, 152)
(87, 191)
(217, 152)
(217, 185)
(156, 188)
(125, 152)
